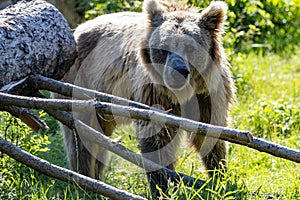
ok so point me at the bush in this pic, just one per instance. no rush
(267, 25)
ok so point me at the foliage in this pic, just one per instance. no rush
(261, 25)
(94, 8)
(267, 25)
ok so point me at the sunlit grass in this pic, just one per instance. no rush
(270, 108)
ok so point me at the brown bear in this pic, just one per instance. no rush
(170, 56)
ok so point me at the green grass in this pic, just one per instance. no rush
(268, 105)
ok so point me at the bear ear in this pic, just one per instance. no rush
(153, 10)
(214, 16)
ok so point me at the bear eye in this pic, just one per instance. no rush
(159, 55)
(161, 51)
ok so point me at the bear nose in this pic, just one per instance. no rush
(183, 71)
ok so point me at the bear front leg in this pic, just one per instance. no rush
(158, 144)
(212, 152)
(213, 110)
(216, 158)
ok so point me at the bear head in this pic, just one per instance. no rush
(181, 45)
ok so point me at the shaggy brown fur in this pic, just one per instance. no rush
(170, 56)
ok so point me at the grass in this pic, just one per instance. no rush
(268, 105)
(269, 94)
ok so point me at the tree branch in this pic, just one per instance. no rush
(232, 135)
(63, 174)
(27, 116)
(43, 83)
(22, 87)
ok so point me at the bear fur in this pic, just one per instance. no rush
(169, 56)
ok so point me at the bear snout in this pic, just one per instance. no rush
(176, 78)
(183, 70)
